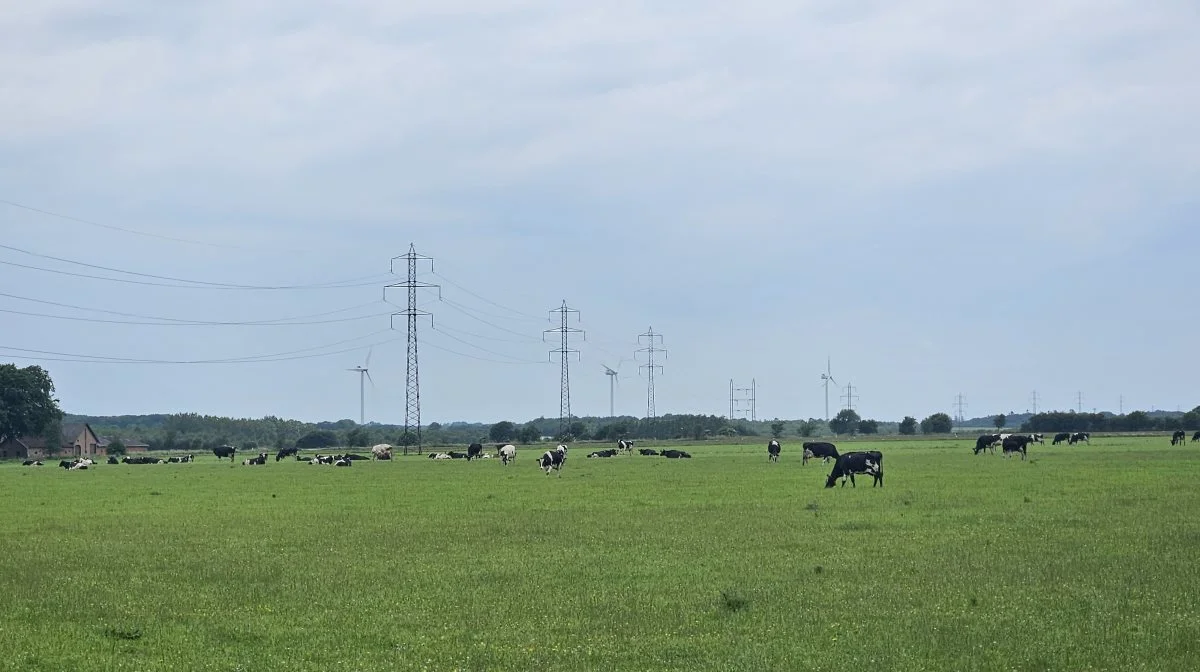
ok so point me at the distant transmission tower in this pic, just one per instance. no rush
(564, 352)
(749, 394)
(650, 366)
(960, 404)
(1035, 402)
(849, 396)
(412, 385)
(1079, 402)
(731, 399)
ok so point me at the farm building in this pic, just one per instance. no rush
(77, 440)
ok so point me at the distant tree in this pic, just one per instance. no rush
(999, 421)
(1138, 421)
(807, 428)
(435, 426)
(908, 426)
(358, 437)
(845, 422)
(776, 430)
(250, 445)
(502, 432)
(577, 431)
(115, 447)
(938, 423)
(321, 438)
(529, 433)
(727, 431)
(868, 426)
(27, 403)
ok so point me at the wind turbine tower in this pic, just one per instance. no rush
(363, 371)
(612, 379)
(827, 377)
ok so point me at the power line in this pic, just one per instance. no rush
(195, 323)
(465, 311)
(477, 347)
(183, 321)
(564, 350)
(486, 300)
(118, 228)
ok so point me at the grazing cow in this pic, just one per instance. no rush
(773, 451)
(675, 454)
(1196, 437)
(604, 453)
(1037, 438)
(261, 459)
(1016, 444)
(985, 442)
(284, 452)
(1080, 436)
(1060, 437)
(1178, 437)
(858, 462)
(112, 459)
(225, 451)
(508, 453)
(381, 451)
(474, 450)
(624, 445)
(553, 460)
(825, 451)
(35, 463)
(647, 451)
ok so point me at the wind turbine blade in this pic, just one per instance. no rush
(369, 351)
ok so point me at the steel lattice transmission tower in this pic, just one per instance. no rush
(412, 378)
(564, 351)
(650, 366)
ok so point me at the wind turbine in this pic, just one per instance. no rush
(362, 394)
(612, 377)
(827, 377)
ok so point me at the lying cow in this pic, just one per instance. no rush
(675, 454)
(773, 451)
(647, 451)
(261, 459)
(604, 453)
(848, 464)
(825, 451)
(35, 463)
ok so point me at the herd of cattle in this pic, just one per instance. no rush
(846, 465)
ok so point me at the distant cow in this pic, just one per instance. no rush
(986, 442)
(225, 451)
(553, 460)
(1016, 444)
(508, 453)
(865, 462)
(1060, 437)
(1196, 437)
(1179, 437)
(647, 451)
(773, 451)
(343, 462)
(457, 455)
(37, 463)
(675, 454)
(381, 451)
(112, 459)
(604, 453)
(625, 445)
(1037, 438)
(474, 450)
(284, 452)
(261, 459)
(825, 451)
(1080, 436)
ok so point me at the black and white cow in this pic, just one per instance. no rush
(35, 463)
(225, 451)
(612, 452)
(381, 451)
(552, 460)
(508, 453)
(1037, 438)
(1196, 437)
(625, 445)
(343, 461)
(824, 450)
(986, 442)
(1016, 443)
(647, 451)
(868, 462)
(284, 452)
(1060, 437)
(773, 451)
(1179, 437)
(261, 459)
(676, 454)
(474, 450)
(1080, 436)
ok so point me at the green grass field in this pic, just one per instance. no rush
(1082, 558)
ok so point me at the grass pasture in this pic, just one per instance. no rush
(1082, 558)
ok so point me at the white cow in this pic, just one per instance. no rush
(381, 451)
(508, 453)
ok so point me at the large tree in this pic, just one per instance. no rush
(908, 425)
(27, 403)
(845, 421)
(999, 421)
(502, 432)
(938, 423)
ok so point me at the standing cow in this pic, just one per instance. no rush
(474, 450)
(225, 451)
(552, 460)
(1016, 444)
(1179, 437)
(1196, 437)
(821, 449)
(773, 451)
(848, 464)
(284, 452)
(508, 453)
(625, 445)
(1060, 437)
(381, 451)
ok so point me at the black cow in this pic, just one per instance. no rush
(112, 459)
(821, 449)
(1196, 437)
(1017, 443)
(858, 462)
(647, 451)
(1060, 437)
(985, 442)
(474, 450)
(225, 451)
(604, 453)
(676, 454)
(1178, 437)
(1080, 436)
(553, 460)
(284, 452)
(457, 455)
(773, 451)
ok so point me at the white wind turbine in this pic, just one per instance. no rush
(363, 371)
(827, 377)
(612, 378)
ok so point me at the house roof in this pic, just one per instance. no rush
(72, 430)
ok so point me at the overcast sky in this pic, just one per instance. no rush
(944, 198)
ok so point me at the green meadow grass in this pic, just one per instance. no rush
(1082, 558)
